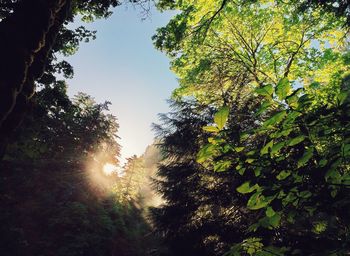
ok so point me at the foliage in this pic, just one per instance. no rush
(278, 79)
(134, 185)
(202, 214)
(55, 199)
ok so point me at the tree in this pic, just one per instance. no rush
(291, 68)
(32, 32)
(202, 213)
(52, 202)
(55, 197)
(135, 183)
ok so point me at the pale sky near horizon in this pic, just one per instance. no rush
(123, 67)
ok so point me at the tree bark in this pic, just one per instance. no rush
(27, 37)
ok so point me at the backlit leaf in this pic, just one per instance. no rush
(306, 157)
(283, 88)
(283, 175)
(266, 90)
(210, 128)
(245, 188)
(275, 119)
(296, 140)
(220, 118)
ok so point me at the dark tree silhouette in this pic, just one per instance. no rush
(30, 31)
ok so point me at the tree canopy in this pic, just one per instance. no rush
(277, 74)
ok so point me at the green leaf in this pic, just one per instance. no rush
(306, 157)
(270, 212)
(245, 188)
(257, 201)
(241, 171)
(238, 149)
(342, 96)
(323, 162)
(283, 88)
(275, 119)
(266, 148)
(222, 166)
(211, 128)
(277, 147)
(266, 90)
(250, 160)
(275, 220)
(292, 101)
(305, 194)
(257, 171)
(283, 175)
(305, 100)
(220, 118)
(263, 107)
(243, 136)
(206, 152)
(296, 140)
(345, 149)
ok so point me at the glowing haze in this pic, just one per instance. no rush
(123, 67)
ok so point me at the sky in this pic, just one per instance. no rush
(123, 67)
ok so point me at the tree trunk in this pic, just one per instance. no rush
(27, 37)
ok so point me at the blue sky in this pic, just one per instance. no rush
(123, 67)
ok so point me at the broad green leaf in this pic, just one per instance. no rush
(275, 220)
(292, 115)
(323, 162)
(226, 148)
(243, 136)
(277, 147)
(257, 201)
(206, 152)
(333, 176)
(342, 96)
(305, 194)
(345, 149)
(257, 171)
(270, 212)
(222, 166)
(283, 89)
(282, 133)
(250, 160)
(210, 128)
(215, 140)
(266, 90)
(296, 140)
(241, 171)
(245, 188)
(275, 119)
(238, 149)
(292, 101)
(306, 157)
(251, 153)
(305, 100)
(266, 148)
(220, 118)
(263, 107)
(283, 175)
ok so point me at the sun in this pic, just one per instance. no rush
(109, 169)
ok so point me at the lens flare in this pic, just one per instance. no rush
(109, 169)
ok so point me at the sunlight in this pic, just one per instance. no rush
(109, 169)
